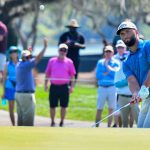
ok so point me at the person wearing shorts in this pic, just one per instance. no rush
(60, 71)
(105, 73)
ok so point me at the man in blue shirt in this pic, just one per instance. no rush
(105, 73)
(128, 114)
(25, 87)
(137, 69)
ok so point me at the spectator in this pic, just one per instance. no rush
(9, 80)
(25, 87)
(137, 69)
(75, 42)
(123, 92)
(60, 71)
(3, 47)
(105, 73)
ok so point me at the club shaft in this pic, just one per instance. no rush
(111, 114)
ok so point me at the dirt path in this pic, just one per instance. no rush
(45, 122)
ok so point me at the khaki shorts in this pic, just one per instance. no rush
(106, 94)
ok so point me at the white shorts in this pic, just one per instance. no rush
(3, 61)
(108, 94)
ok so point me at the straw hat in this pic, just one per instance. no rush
(73, 23)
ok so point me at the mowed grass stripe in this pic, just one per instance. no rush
(39, 138)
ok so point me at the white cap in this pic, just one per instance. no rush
(26, 53)
(120, 43)
(126, 25)
(108, 48)
(63, 46)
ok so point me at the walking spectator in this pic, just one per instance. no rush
(3, 47)
(124, 94)
(25, 87)
(9, 80)
(60, 71)
(105, 73)
(137, 68)
(75, 42)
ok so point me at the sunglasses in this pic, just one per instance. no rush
(108, 51)
(15, 51)
(62, 50)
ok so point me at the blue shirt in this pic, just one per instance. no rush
(105, 80)
(138, 63)
(24, 76)
(11, 75)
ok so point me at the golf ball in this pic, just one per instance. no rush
(42, 7)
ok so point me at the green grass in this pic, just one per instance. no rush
(37, 138)
(82, 105)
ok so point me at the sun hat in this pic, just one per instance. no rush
(73, 23)
(120, 43)
(126, 25)
(13, 49)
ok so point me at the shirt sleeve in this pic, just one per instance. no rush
(48, 69)
(82, 40)
(72, 69)
(99, 73)
(126, 70)
(147, 51)
(63, 38)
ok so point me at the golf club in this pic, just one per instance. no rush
(131, 102)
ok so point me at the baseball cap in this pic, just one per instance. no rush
(126, 25)
(63, 46)
(108, 48)
(120, 43)
(26, 53)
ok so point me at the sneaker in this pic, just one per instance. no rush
(97, 125)
(114, 126)
(53, 124)
(61, 124)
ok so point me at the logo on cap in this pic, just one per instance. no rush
(126, 25)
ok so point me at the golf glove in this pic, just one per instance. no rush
(144, 92)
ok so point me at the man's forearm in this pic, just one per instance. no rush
(133, 85)
(147, 81)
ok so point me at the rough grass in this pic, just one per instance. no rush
(82, 104)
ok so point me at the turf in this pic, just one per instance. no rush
(39, 138)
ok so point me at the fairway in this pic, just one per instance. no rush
(39, 138)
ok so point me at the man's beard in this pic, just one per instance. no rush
(131, 42)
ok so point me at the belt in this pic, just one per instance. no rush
(106, 86)
(125, 95)
(25, 91)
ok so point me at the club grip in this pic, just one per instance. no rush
(135, 101)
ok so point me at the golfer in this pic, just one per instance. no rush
(137, 68)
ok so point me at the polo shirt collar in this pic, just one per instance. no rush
(139, 46)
